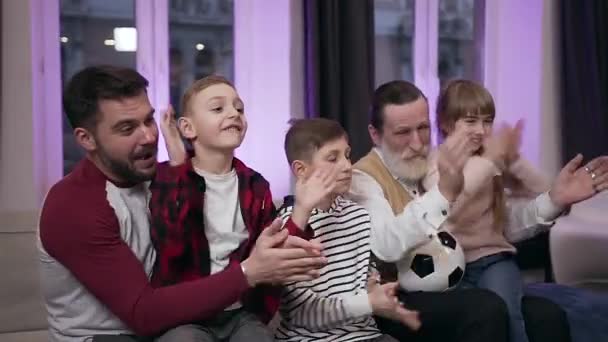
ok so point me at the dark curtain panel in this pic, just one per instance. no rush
(339, 60)
(584, 55)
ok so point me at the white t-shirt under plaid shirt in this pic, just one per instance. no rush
(335, 306)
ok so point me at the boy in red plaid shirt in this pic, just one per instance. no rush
(208, 212)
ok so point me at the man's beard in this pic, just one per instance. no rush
(125, 169)
(411, 170)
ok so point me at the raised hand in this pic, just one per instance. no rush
(310, 192)
(173, 140)
(503, 146)
(384, 302)
(576, 183)
(278, 258)
(453, 155)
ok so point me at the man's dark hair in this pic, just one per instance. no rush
(84, 90)
(392, 93)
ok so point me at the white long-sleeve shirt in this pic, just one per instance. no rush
(394, 236)
(334, 306)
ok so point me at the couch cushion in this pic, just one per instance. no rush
(29, 336)
(578, 245)
(20, 297)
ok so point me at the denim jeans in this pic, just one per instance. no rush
(499, 273)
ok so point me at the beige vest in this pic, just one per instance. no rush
(394, 193)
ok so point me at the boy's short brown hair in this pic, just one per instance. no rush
(306, 136)
(198, 86)
(460, 98)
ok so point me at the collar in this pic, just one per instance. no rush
(333, 207)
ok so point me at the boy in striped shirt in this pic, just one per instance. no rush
(337, 306)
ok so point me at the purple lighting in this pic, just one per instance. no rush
(263, 80)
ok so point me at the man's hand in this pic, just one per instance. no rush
(173, 139)
(279, 258)
(384, 302)
(574, 183)
(311, 192)
(453, 155)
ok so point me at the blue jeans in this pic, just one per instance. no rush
(499, 273)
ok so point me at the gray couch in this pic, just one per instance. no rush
(22, 313)
(579, 245)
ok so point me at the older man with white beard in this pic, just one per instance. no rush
(387, 182)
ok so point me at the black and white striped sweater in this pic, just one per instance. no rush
(335, 306)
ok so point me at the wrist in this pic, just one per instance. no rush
(245, 267)
(302, 207)
(512, 159)
(448, 194)
(498, 160)
(300, 215)
(556, 199)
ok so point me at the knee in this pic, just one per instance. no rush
(490, 307)
(537, 309)
(185, 333)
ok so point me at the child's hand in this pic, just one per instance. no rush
(310, 192)
(385, 303)
(453, 154)
(503, 146)
(173, 140)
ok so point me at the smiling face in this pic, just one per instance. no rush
(214, 118)
(476, 127)
(124, 140)
(468, 107)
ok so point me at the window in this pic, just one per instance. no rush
(201, 43)
(460, 30)
(93, 32)
(410, 34)
(195, 35)
(429, 42)
(394, 32)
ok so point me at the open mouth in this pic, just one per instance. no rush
(146, 156)
(233, 128)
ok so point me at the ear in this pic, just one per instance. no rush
(85, 139)
(186, 128)
(375, 134)
(299, 168)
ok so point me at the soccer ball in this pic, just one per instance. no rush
(435, 266)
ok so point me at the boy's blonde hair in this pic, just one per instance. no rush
(197, 87)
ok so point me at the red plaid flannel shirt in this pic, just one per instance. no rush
(178, 232)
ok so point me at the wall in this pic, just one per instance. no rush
(519, 71)
(22, 143)
(268, 77)
(17, 186)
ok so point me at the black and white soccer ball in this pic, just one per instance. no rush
(435, 266)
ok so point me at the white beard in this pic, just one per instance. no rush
(411, 170)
